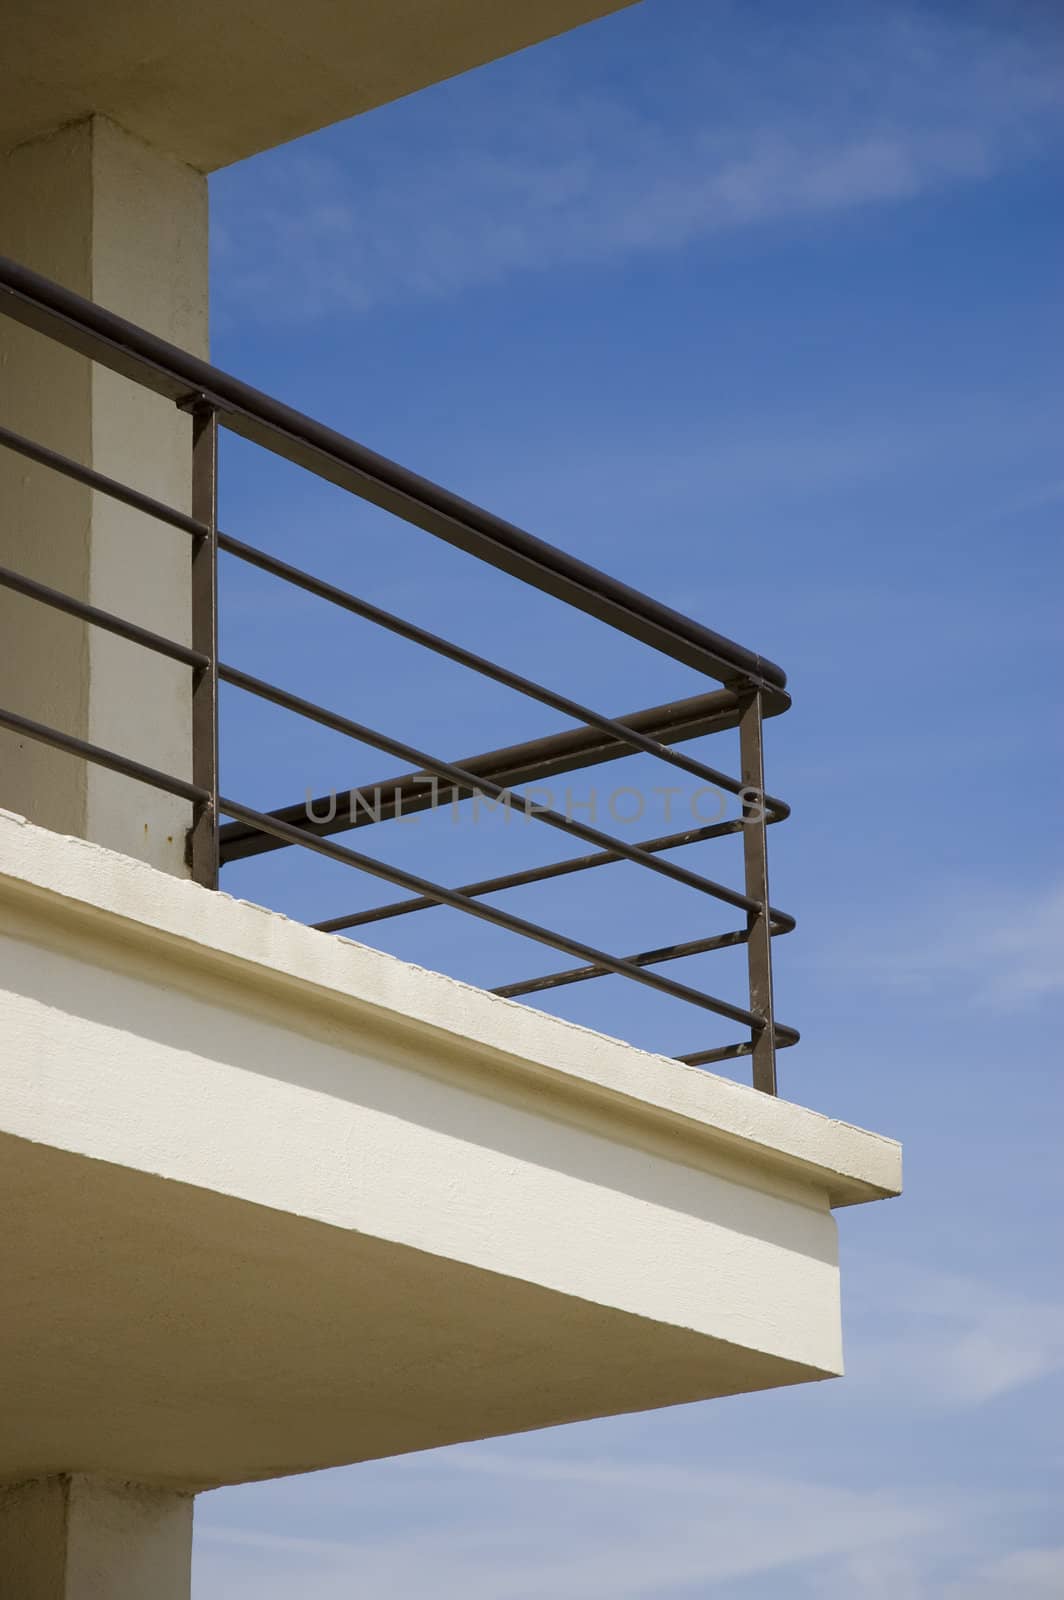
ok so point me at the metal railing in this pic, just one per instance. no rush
(751, 687)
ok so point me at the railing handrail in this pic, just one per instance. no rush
(166, 369)
(752, 687)
(531, 762)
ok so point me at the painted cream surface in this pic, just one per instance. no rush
(260, 1125)
(126, 226)
(215, 83)
(349, 1134)
(77, 1538)
(204, 938)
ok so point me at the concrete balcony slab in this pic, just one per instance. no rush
(277, 1201)
(211, 84)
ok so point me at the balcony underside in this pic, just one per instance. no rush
(182, 1337)
(276, 1201)
(213, 83)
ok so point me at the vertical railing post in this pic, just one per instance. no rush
(203, 835)
(755, 859)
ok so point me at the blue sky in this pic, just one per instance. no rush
(757, 308)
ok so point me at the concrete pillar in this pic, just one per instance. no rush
(124, 225)
(80, 1538)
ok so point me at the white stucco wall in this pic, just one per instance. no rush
(78, 1538)
(476, 1171)
(124, 225)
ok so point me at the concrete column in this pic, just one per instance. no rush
(80, 1538)
(125, 225)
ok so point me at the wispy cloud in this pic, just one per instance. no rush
(623, 1532)
(521, 1520)
(1036, 1574)
(517, 1525)
(1001, 948)
(861, 106)
(950, 1342)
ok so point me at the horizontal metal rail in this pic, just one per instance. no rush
(500, 919)
(81, 325)
(552, 869)
(728, 1052)
(466, 780)
(644, 958)
(753, 687)
(622, 733)
(100, 482)
(534, 761)
(784, 1038)
(101, 757)
(784, 1035)
(103, 619)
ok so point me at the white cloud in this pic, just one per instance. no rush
(616, 1532)
(1036, 1574)
(1001, 949)
(1022, 951)
(1022, 1575)
(485, 1523)
(950, 1342)
(866, 107)
(512, 1521)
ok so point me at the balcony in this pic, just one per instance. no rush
(303, 1202)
